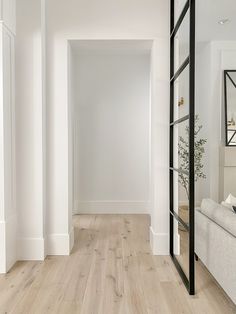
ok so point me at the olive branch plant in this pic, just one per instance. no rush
(183, 153)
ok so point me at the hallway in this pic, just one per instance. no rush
(111, 270)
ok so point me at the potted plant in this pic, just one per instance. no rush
(183, 154)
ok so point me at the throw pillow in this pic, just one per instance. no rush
(231, 199)
(230, 203)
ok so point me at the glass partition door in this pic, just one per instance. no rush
(182, 116)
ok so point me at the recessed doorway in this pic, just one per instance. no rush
(110, 126)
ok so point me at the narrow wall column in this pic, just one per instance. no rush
(159, 231)
(30, 129)
(8, 217)
(60, 232)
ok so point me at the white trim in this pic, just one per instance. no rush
(159, 242)
(31, 249)
(60, 244)
(8, 230)
(112, 207)
(8, 223)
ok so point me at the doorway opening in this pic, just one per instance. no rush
(109, 100)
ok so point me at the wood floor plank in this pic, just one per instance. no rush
(113, 293)
(111, 271)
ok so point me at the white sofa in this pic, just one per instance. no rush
(215, 243)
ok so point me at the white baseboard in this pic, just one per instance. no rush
(112, 207)
(31, 249)
(60, 244)
(8, 244)
(36, 249)
(159, 243)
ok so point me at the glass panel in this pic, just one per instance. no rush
(181, 196)
(181, 95)
(180, 51)
(179, 5)
(181, 43)
(181, 145)
(181, 246)
(232, 137)
(231, 107)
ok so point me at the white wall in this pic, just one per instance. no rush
(8, 14)
(29, 130)
(8, 217)
(99, 20)
(112, 109)
(212, 59)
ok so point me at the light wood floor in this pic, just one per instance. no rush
(111, 270)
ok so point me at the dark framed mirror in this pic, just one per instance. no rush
(230, 106)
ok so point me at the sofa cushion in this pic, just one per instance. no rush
(228, 205)
(221, 215)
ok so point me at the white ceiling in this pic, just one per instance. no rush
(111, 46)
(209, 13)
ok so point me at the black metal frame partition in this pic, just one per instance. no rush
(227, 139)
(189, 61)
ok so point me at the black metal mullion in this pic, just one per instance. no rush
(228, 139)
(172, 18)
(191, 150)
(226, 108)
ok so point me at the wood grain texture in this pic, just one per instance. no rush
(111, 270)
